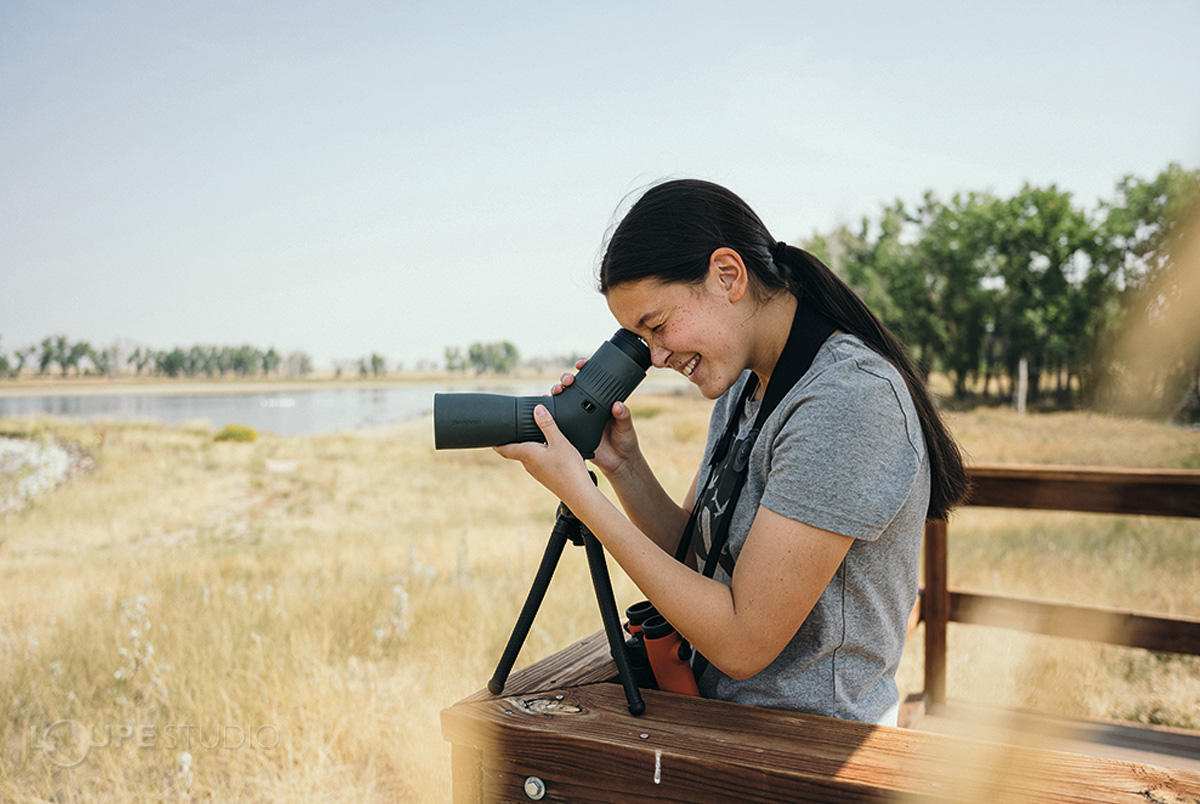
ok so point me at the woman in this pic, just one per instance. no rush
(809, 597)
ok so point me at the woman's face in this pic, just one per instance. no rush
(698, 330)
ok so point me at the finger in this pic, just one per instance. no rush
(513, 452)
(580, 363)
(546, 423)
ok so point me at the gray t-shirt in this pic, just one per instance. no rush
(844, 452)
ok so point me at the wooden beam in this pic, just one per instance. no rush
(1095, 623)
(935, 604)
(1155, 492)
(587, 661)
(585, 747)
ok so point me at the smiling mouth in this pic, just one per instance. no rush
(687, 368)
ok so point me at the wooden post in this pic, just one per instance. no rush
(936, 601)
(1022, 384)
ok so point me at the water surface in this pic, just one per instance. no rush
(286, 413)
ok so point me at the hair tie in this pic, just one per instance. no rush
(777, 252)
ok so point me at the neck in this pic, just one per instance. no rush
(772, 324)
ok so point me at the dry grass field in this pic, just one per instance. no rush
(283, 620)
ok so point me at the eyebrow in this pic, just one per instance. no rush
(641, 324)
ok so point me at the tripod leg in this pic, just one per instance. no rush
(612, 622)
(533, 601)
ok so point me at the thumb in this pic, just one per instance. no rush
(622, 416)
(546, 423)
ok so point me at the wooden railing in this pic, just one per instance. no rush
(1156, 492)
(561, 732)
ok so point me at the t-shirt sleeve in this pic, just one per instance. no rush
(846, 456)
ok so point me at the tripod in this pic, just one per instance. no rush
(567, 527)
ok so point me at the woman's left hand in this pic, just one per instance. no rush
(557, 465)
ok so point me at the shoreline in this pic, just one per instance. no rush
(656, 381)
(129, 386)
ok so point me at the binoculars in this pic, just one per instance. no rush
(661, 659)
(581, 411)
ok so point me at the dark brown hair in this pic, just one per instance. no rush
(671, 232)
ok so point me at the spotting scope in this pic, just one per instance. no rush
(581, 411)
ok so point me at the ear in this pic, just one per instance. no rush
(726, 268)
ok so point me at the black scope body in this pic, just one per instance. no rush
(462, 421)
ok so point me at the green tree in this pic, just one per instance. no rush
(9, 368)
(378, 364)
(75, 355)
(978, 283)
(271, 361)
(102, 360)
(224, 361)
(1042, 243)
(884, 267)
(172, 363)
(455, 361)
(245, 361)
(500, 357)
(23, 356)
(140, 358)
(49, 353)
(196, 361)
(954, 251)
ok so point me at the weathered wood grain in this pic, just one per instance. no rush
(587, 748)
(584, 662)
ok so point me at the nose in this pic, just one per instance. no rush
(659, 356)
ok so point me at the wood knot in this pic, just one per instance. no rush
(1168, 797)
(547, 706)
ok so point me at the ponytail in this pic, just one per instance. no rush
(810, 279)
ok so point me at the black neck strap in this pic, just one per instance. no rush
(810, 329)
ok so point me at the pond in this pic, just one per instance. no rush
(285, 413)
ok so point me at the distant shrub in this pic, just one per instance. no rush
(236, 432)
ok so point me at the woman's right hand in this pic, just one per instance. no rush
(620, 442)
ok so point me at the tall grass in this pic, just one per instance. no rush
(284, 619)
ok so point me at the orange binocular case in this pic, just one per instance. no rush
(667, 654)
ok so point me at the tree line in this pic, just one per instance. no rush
(59, 353)
(979, 286)
(499, 357)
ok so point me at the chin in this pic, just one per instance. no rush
(710, 390)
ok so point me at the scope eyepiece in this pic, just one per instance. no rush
(633, 346)
(463, 421)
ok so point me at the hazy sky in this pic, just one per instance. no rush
(399, 177)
